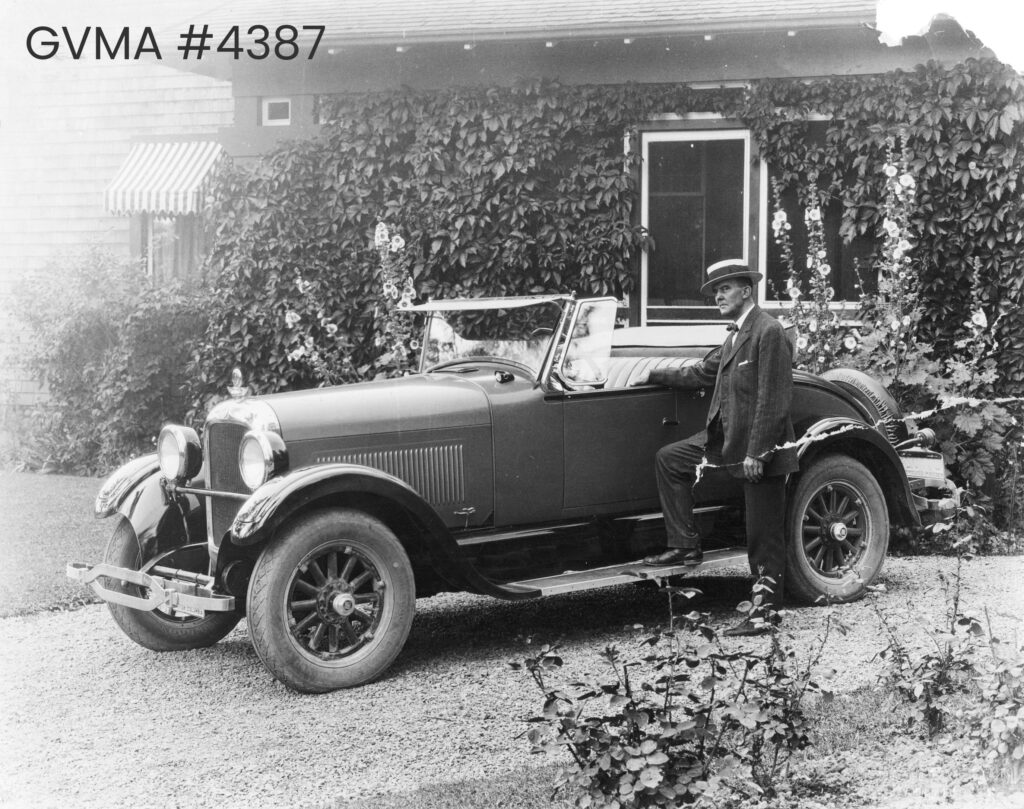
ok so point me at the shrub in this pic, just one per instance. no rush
(112, 350)
(685, 722)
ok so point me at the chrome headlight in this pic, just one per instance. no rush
(179, 452)
(261, 456)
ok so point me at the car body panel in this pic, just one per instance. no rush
(530, 458)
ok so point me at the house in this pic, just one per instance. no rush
(73, 132)
(704, 191)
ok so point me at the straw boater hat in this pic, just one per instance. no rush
(724, 270)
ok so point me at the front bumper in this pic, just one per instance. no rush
(179, 590)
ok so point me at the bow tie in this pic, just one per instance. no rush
(732, 327)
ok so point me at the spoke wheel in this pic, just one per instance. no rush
(838, 531)
(335, 602)
(331, 601)
(834, 528)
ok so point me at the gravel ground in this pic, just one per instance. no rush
(89, 719)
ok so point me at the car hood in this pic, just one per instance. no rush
(416, 402)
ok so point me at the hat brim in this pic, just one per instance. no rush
(753, 275)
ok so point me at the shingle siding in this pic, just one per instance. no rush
(65, 128)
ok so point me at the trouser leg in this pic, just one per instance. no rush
(766, 532)
(676, 469)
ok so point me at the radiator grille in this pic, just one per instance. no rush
(223, 440)
(435, 472)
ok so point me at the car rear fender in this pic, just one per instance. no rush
(136, 491)
(842, 436)
(275, 503)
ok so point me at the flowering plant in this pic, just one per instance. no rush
(821, 338)
(395, 327)
(971, 438)
(318, 342)
(315, 339)
(891, 348)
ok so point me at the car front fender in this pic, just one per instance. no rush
(161, 523)
(271, 506)
(869, 446)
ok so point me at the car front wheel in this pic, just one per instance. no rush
(837, 530)
(331, 601)
(162, 629)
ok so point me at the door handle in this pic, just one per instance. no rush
(670, 422)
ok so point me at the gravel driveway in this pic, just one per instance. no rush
(89, 719)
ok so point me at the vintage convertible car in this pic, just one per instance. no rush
(518, 462)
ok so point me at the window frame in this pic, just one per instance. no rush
(266, 120)
(703, 128)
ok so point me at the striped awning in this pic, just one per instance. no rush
(164, 178)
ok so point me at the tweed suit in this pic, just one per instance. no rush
(749, 415)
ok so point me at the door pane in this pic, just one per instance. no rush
(696, 195)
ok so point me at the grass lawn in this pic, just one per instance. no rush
(47, 522)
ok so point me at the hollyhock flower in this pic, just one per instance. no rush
(801, 342)
(332, 329)
(890, 170)
(824, 270)
(849, 342)
(794, 293)
(397, 243)
(907, 181)
(292, 319)
(380, 236)
(979, 319)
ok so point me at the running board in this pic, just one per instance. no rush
(573, 580)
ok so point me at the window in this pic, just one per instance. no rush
(171, 246)
(696, 206)
(703, 196)
(850, 261)
(275, 111)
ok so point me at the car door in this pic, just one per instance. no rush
(610, 439)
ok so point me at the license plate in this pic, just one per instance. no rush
(929, 467)
(195, 612)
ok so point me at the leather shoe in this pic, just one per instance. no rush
(747, 628)
(676, 556)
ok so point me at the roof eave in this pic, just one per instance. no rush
(548, 33)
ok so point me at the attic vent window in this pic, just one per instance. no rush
(276, 112)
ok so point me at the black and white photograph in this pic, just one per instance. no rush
(456, 404)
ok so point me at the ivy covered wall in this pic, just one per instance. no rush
(527, 189)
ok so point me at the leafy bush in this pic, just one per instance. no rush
(112, 350)
(704, 722)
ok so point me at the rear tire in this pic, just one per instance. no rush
(161, 630)
(837, 531)
(331, 601)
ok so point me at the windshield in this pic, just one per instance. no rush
(520, 335)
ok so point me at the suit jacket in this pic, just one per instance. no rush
(753, 381)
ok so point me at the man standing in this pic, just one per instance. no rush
(747, 419)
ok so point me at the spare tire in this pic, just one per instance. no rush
(872, 395)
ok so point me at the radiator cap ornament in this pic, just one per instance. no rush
(238, 389)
